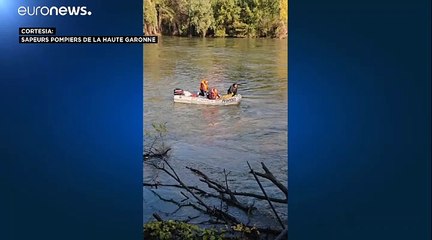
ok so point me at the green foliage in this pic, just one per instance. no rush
(171, 230)
(177, 230)
(260, 16)
(175, 19)
(246, 232)
(160, 128)
(220, 18)
(284, 11)
(226, 13)
(201, 15)
(150, 17)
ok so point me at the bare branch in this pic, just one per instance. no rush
(268, 175)
(232, 200)
(224, 193)
(156, 185)
(276, 200)
(283, 235)
(157, 217)
(210, 210)
(265, 194)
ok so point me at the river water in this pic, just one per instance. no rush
(214, 138)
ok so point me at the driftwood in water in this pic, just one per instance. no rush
(268, 175)
(157, 217)
(208, 194)
(156, 153)
(222, 192)
(283, 235)
(156, 148)
(201, 205)
(265, 194)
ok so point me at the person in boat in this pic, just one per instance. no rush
(214, 94)
(204, 88)
(233, 89)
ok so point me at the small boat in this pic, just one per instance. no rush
(181, 96)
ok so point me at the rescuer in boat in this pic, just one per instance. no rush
(204, 88)
(233, 89)
(213, 94)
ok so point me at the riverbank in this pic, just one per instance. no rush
(216, 37)
(218, 18)
(173, 230)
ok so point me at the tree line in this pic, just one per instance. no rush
(216, 18)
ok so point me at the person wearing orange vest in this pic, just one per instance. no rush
(204, 88)
(214, 94)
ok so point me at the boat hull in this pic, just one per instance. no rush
(224, 101)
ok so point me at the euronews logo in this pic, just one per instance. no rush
(54, 11)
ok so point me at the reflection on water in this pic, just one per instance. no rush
(213, 138)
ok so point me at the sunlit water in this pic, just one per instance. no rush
(214, 138)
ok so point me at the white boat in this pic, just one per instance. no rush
(188, 97)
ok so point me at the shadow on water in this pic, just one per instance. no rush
(213, 138)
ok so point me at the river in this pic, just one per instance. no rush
(213, 138)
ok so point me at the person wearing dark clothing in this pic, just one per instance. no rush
(233, 89)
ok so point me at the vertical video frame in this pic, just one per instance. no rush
(215, 105)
